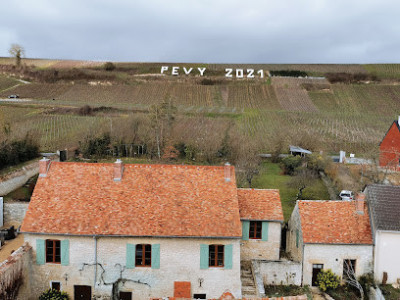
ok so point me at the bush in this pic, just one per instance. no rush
(53, 295)
(109, 66)
(18, 151)
(288, 73)
(96, 146)
(327, 280)
(350, 78)
(317, 162)
(291, 164)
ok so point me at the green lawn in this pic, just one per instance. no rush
(271, 177)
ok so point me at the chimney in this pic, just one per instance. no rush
(398, 121)
(227, 172)
(118, 170)
(360, 203)
(44, 165)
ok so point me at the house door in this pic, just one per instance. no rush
(82, 292)
(316, 268)
(125, 295)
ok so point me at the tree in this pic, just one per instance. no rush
(17, 51)
(349, 276)
(302, 179)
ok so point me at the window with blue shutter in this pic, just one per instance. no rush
(40, 252)
(264, 231)
(65, 252)
(155, 256)
(204, 256)
(245, 230)
(228, 256)
(130, 256)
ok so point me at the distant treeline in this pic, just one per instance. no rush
(289, 73)
(350, 77)
(18, 151)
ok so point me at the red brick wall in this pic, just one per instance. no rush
(390, 148)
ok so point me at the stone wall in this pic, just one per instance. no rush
(276, 272)
(295, 250)
(179, 261)
(15, 274)
(332, 256)
(258, 249)
(14, 212)
(18, 178)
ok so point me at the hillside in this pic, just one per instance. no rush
(310, 112)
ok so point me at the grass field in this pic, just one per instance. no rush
(271, 177)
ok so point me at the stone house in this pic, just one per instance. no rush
(384, 209)
(138, 231)
(389, 148)
(330, 235)
(262, 217)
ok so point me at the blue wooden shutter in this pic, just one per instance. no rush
(228, 256)
(130, 256)
(264, 231)
(40, 252)
(204, 256)
(245, 230)
(65, 252)
(155, 256)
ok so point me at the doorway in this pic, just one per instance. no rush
(125, 295)
(82, 292)
(316, 268)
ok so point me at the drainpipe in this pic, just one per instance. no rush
(95, 262)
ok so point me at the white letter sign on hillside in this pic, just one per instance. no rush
(229, 72)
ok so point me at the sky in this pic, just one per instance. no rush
(205, 31)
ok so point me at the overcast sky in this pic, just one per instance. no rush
(263, 31)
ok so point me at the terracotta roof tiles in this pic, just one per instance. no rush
(334, 222)
(257, 204)
(150, 200)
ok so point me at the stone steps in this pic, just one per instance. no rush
(249, 290)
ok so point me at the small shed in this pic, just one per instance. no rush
(295, 150)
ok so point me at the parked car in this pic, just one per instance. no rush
(13, 96)
(346, 195)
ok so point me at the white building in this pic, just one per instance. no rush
(330, 235)
(146, 231)
(384, 207)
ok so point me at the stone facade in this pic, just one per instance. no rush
(332, 256)
(294, 236)
(277, 272)
(258, 249)
(14, 212)
(179, 261)
(387, 259)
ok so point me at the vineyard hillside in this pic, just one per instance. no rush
(351, 112)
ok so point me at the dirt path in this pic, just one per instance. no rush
(329, 186)
(10, 245)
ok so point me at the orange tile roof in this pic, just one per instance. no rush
(257, 204)
(150, 200)
(334, 222)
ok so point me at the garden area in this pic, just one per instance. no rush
(287, 290)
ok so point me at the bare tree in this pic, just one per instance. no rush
(301, 180)
(349, 276)
(17, 51)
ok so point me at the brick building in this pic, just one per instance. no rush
(389, 148)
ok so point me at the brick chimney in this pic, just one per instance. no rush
(227, 172)
(118, 170)
(360, 203)
(44, 165)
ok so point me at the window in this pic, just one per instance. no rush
(255, 229)
(297, 238)
(216, 256)
(55, 285)
(199, 296)
(53, 251)
(349, 268)
(143, 255)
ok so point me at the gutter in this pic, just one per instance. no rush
(95, 261)
(133, 236)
